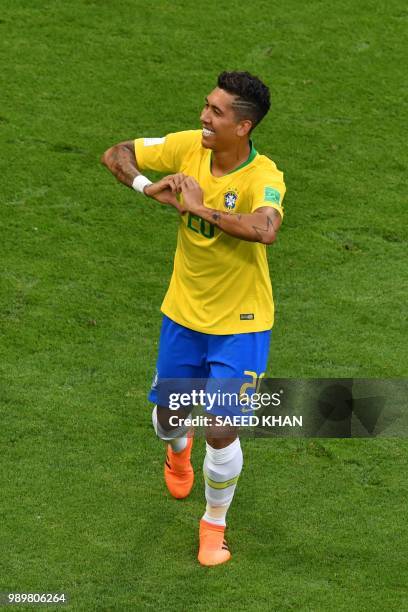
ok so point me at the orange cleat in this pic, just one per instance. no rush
(213, 547)
(178, 471)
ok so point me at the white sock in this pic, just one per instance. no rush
(216, 514)
(178, 444)
(222, 467)
(175, 437)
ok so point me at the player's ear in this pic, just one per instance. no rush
(244, 127)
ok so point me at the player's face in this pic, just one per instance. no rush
(221, 128)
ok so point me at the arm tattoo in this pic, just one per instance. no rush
(262, 234)
(261, 231)
(121, 162)
(217, 216)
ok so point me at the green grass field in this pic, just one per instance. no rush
(316, 525)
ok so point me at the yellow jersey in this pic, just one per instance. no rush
(220, 284)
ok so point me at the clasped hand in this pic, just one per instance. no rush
(167, 189)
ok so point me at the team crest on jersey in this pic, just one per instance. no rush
(230, 199)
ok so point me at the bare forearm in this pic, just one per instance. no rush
(121, 161)
(254, 227)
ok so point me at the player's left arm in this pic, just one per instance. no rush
(262, 225)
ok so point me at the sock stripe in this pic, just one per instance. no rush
(220, 485)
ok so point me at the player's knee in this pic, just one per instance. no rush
(169, 419)
(220, 437)
(163, 417)
(220, 442)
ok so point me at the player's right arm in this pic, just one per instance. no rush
(121, 161)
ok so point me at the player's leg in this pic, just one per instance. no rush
(178, 471)
(222, 467)
(180, 359)
(230, 357)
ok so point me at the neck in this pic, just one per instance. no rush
(224, 162)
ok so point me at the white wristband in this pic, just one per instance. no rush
(140, 182)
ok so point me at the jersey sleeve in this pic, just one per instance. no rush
(165, 154)
(269, 192)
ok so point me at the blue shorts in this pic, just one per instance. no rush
(192, 360)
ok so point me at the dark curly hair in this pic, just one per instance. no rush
(253, 98)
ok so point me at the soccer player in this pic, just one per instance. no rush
(218, 311)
